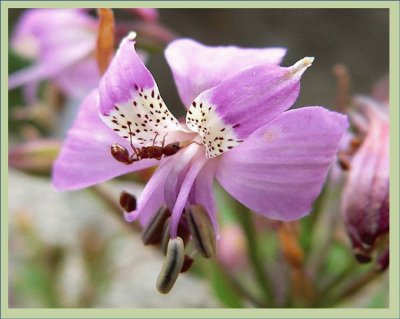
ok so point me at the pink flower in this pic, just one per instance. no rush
(236, 131)
(61, 42)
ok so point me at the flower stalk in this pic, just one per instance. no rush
(264, 283)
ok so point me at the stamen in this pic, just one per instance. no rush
(187, 264)
(127, 201)
(172, 266)
(152, 234)
(202, 230)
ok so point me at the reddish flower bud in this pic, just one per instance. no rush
(366, 194)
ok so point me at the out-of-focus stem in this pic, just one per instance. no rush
(253, 250)
(343, 87)
(322, 236)
(239, 289)
(105, 39)
(303, 289)
(116, 209)
(350, 288)
(339, 279)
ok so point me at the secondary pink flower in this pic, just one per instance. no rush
(61, 42)
(236, 131)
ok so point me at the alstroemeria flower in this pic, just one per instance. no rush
(61, 42)
(236, 131)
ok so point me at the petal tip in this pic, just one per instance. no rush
(131, 35)
(300, 66)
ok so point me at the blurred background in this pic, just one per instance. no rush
(72, 250)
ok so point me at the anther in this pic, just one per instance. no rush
(165, 236)
(172, 266)
(152, 234)
(202, 230)
(127, 201)
(187, 264)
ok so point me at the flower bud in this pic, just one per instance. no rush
(202, 230)
(366, 193)
(34, 157)
(232, 248)
(173, 263)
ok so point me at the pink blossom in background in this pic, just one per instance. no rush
(61, 44)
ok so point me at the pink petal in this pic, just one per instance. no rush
(280, 169)
(124, 73)
(231, 111)
(79, 79)
(130, 103)
(202, 191)
(197, 67)
(152, 197)
(184, 191)
(85, 158)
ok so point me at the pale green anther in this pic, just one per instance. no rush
(202, 230)
(153, 231)
(173, 263)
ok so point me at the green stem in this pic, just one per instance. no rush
(263, 281)
(351, 288)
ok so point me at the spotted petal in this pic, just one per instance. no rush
(197, 67)
(231, 111)
(280, 169)
(130, 103)
(85, 158)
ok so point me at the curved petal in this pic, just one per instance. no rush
(197, 67)
(202, 191)
(184, 190)
(152, 197)
(231, 111)
(85, 158)
(130, 102)
(280, 169)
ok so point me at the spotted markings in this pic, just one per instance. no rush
(142, 118)
(217, 136)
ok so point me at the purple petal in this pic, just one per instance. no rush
(231, 111)
(79, 79)
(130, 103)
(85, 158)
(280, 169)
(184, 191)
(202, 191)
(197, 67)
(152, 197)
